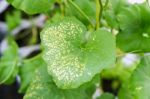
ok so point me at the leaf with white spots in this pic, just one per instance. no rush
(139, 84)
(134, 33)
(27, 69)
(71, 60)
(43, 87)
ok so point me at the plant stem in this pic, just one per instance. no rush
(78, 8)
(34, 35)
(62, 9)
(99, 10)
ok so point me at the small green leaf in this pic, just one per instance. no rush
(134, 33)
(32, 6)
(139, 82)
(43, 87)
(27, 69)
(8, 64)
(71, 60)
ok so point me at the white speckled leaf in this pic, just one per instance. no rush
(26, 71)
(43, 87)
(69, 62)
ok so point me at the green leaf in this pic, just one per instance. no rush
(111, 19)
(112, 10)
(43, 87)
(32, 6)
(71, 59)
(107, 96)
(91, 86)
(139, 82)
(27, 69)
(87, 6)
(117, 5)
(124, 92)
(134, 33)
(8, 64)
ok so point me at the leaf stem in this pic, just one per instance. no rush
(99, 10)
(62, 7)
(78, 8)
(34, 35)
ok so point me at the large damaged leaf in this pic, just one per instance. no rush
(71, 59)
